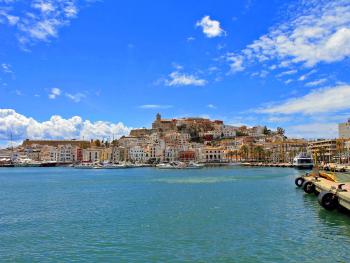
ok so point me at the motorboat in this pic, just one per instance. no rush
(193, 165)
(303, 161)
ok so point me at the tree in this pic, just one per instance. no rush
(322, 153)
(266, 131)
(268, 154)
(230, 155)
(258, 152)
(340, 148)
(280, 131)
(240, 133)
(244, 151)
(115, 142)
(97, 143)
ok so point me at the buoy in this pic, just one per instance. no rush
(328, 200)
(299, 181)
(309, 187)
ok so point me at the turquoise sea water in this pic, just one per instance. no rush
(148, 215)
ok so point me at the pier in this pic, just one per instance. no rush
(331, 194)
(252, 164)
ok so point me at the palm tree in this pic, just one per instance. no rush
(340, 149)
(322, 153)
(280, 131)
(230, 154)
(258, 152)
(236, 154)
(244, 151)
(268, 154)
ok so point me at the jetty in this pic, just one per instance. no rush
(252, 164)
(331, 193)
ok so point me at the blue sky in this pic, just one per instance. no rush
(96, 68)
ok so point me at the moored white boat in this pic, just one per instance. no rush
(303, 161)
(165, 166)
(193, 165)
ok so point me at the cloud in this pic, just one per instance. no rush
(178, 78)
(318, 33)
(18, 92)
(316, 83)
(288, 72)
(211, 28)
(278, 119)
(155, 106)
(10, 19)
(211, 106)
(40, 19)
(77, 97)
(236, 62)
(313, 130)
(323, 100)
(43, 6)
(55, 92)
(307, 75)
(189, 39)
(56, 127)
(6, 68)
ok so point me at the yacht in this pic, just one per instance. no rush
(193, 165)
(165, 166)
(114, 166)
(88, 166)
(303, 161)
(26, 162)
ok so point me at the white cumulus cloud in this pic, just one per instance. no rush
(319, 32)
(211, 28)
(236, 62)
(22, 127)
(54, 93)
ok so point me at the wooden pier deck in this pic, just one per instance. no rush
(340, 190)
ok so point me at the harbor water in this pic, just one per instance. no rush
(227, 214)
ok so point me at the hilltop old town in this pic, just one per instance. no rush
(186, 139)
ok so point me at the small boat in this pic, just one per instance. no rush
(85, 166)
(193, 165)
(114, 166)
(166, 166)
(303, 161)
(235, 164)
(27, 163)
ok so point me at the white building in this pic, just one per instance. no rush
(156, 152)
(213, 154)
(170, 154)
(256, 131)
(92, 155)
(65, 153)
(119, 154)
(228, 131)
(344, 130)
(137, 154)
(48, 154)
